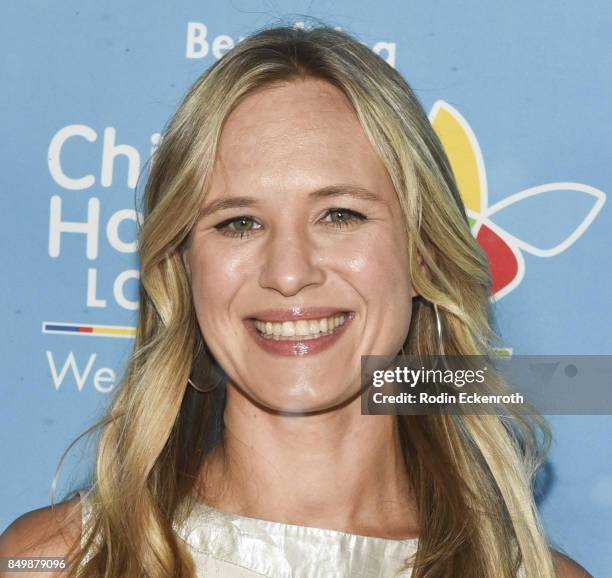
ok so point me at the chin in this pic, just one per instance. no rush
(301, 399)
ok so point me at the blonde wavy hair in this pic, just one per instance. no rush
(472, 475)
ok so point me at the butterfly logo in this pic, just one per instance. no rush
(520, 222)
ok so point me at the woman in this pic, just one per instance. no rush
(300, 213)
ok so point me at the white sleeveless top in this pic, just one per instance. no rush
(225, 545)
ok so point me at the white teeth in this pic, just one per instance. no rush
(288, 329)
(302, 328)
(299, 330)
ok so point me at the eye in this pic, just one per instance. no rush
(343, 217)
(238, 226)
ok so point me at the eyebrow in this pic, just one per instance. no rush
(331, 191)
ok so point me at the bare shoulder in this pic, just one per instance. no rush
(566, 567)
(51, 531)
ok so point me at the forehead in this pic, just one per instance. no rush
(301, 134)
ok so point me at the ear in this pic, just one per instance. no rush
(424, 270)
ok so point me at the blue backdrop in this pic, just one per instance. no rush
(88, 86)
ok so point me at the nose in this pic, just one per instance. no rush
(290, 263)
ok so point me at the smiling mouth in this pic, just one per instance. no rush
(301, 330)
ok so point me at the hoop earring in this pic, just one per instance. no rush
(201, 389)
(202, 366)
(439, 327)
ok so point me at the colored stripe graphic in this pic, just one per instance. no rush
(93, 330)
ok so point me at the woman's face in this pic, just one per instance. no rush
(298, 263)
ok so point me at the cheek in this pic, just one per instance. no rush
(215, 278)
(378, 271)
(378, 267)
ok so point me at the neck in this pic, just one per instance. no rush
(338, 470)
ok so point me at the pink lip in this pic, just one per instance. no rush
(296, 313)
(298, 348)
